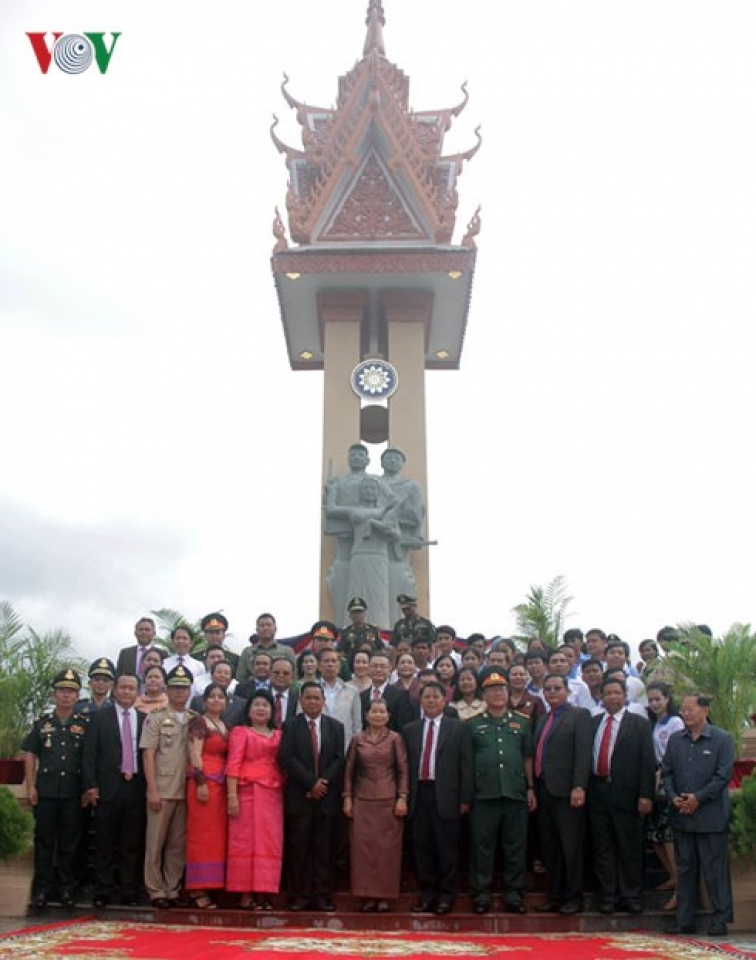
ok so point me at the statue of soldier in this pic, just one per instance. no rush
(343, 491)
(409, 513)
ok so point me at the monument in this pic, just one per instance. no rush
(373, 292)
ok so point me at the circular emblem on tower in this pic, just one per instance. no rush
(374, 379)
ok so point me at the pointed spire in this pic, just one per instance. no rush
(375, 21)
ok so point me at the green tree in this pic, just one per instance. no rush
(16, 827)
(543, 614)
(723, 668)
(29, 662)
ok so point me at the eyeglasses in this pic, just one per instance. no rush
(552, 689)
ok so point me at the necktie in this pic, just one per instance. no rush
(545, 734)
(425, 764)
(127, 747)
(376, 693)
(181, 660)
(277, 712)
(140, 658)
(602, 764)
(314, 739)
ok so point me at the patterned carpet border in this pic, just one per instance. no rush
(87, 939)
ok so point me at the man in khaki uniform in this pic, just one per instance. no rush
(164, 742)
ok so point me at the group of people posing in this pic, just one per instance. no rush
(254, 774)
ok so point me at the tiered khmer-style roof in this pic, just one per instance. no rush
(371, 207)
(371, 169)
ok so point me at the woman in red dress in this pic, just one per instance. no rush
(206, 814)
(255, 806)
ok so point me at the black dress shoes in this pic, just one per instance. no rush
(161, 903)
(324, 905)
(567, 909)
(630, 906)
(515, 907)
(607, 906)
(298, 904)
(481, 906)
(423, 906)
(551, 906)
(40, 901)
(443, 908)
(717, 928)
(677, 930)
(100, 902)
(67, 899)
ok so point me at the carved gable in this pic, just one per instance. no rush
(373, 209)
(371, 168)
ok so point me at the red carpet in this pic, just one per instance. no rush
(129, 941)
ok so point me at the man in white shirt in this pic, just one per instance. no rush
(213, 655)
(181, 644)
(444, 645)
(342, 702)
(618, 658)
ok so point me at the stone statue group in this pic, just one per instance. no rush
(376, 520)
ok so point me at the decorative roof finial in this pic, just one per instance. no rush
(375, 21)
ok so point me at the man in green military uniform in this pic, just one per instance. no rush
(101, 675)
(214, 627)
(263, 641)
(52, 758)
(358, 634)
(503, 763)
(165, 755)
(411, 626)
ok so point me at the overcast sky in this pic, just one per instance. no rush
(158, 450)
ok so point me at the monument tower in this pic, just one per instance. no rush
(372, 290)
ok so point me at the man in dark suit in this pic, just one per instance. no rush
(564, 738)
(397, 701)
(284, 691)
(696, 769)
(113, 784)
(130, 658)
(620, 794)
(312, 754)
(439, 751)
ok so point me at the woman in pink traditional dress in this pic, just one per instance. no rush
(255, 807)
(206, 814)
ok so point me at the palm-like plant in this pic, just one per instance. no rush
(543, 614)
(29, 662)
(167, 621)
(722, 668)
